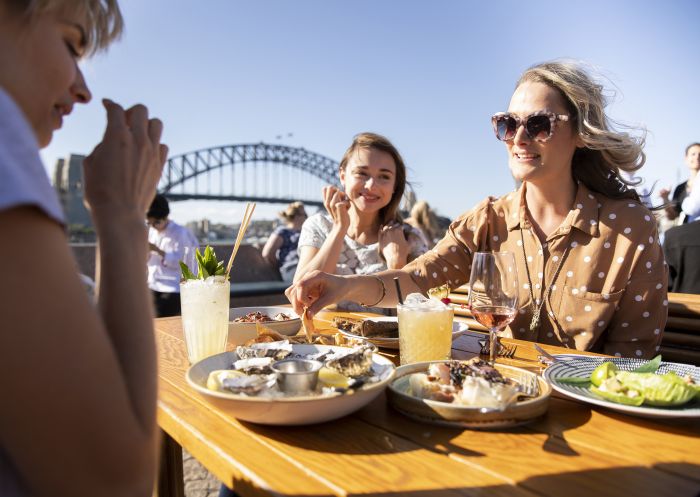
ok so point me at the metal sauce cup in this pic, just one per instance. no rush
(297, 376)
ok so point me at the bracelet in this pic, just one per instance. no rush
(381, 282)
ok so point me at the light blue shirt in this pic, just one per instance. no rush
(23, 179)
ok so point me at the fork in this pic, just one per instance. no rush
(530, 387)
(501, 349)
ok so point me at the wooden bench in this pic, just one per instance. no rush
(681, 339)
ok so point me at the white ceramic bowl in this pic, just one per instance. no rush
(239, 333)
(298, 410)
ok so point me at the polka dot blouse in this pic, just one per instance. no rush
(610, 294)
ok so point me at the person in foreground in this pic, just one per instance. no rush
(78, 381)
(361, 232)
(588, 258)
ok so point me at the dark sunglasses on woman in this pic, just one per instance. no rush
(539, 126)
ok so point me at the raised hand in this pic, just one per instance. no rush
(393, 245)
(337, 204)
(122, 172)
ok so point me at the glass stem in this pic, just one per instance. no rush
(492, 346)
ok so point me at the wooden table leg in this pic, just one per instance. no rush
(170, 476)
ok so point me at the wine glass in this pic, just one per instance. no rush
(493, 292)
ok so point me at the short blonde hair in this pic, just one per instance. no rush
(605, 150)
(104, 21)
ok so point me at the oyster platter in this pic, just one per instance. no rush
(469, 394)
(283, 383)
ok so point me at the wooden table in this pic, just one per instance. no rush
(575, 450)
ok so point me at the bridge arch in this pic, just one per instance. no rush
(179, 179)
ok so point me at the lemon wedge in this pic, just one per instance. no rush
(331, 378)
(439, 292)
(216, 378)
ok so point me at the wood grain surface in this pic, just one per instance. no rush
(574, 450)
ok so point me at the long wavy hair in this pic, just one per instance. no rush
(389, 212)
(426, 219)
(606, 151)
(103, 19)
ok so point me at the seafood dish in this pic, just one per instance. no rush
(260, 317)
(258, 383)
(472, 383)
(252, 372)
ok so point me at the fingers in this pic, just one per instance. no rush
(155, 130)
(327, 195)
(137, 120)
(116, 119)
(291, 294)
(163, 154)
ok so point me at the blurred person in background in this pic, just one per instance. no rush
(677, 209)
(591, 272)
(361, 231)
(426, 222)
(682, 251)
(280, 250)
(168, 244)
(80, 418)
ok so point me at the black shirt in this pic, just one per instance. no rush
(682, 251)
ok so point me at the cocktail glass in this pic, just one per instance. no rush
(205, 310)
(425, 329)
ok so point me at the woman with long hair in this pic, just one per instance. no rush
(424, 219)
(280, 250)
(79, 380)
(591, 270)
(361, 231)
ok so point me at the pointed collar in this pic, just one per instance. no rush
(583, 215)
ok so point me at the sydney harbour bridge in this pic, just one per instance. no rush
(256, 172)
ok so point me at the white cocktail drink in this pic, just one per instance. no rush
(425, 329)
(204, 305)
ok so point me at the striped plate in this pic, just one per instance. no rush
(582, 366)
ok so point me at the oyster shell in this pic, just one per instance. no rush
(249, 384)
(356, 363)
(255, 365)
(274, 350)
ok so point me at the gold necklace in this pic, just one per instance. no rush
(537, 308)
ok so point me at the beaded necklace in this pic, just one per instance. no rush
(537, 308)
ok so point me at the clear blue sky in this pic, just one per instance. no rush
(426, 74)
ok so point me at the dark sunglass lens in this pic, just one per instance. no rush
(505, 127)
(539, 127)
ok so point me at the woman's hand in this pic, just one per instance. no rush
(315, 291)
(337, 204)
(122, 172)
(393, 245)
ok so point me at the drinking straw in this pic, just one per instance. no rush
(249, 208)
(398, 289)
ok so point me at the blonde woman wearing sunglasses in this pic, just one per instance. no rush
(78, 381)
(591, 270)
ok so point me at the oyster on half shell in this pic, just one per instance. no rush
(354, 364)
